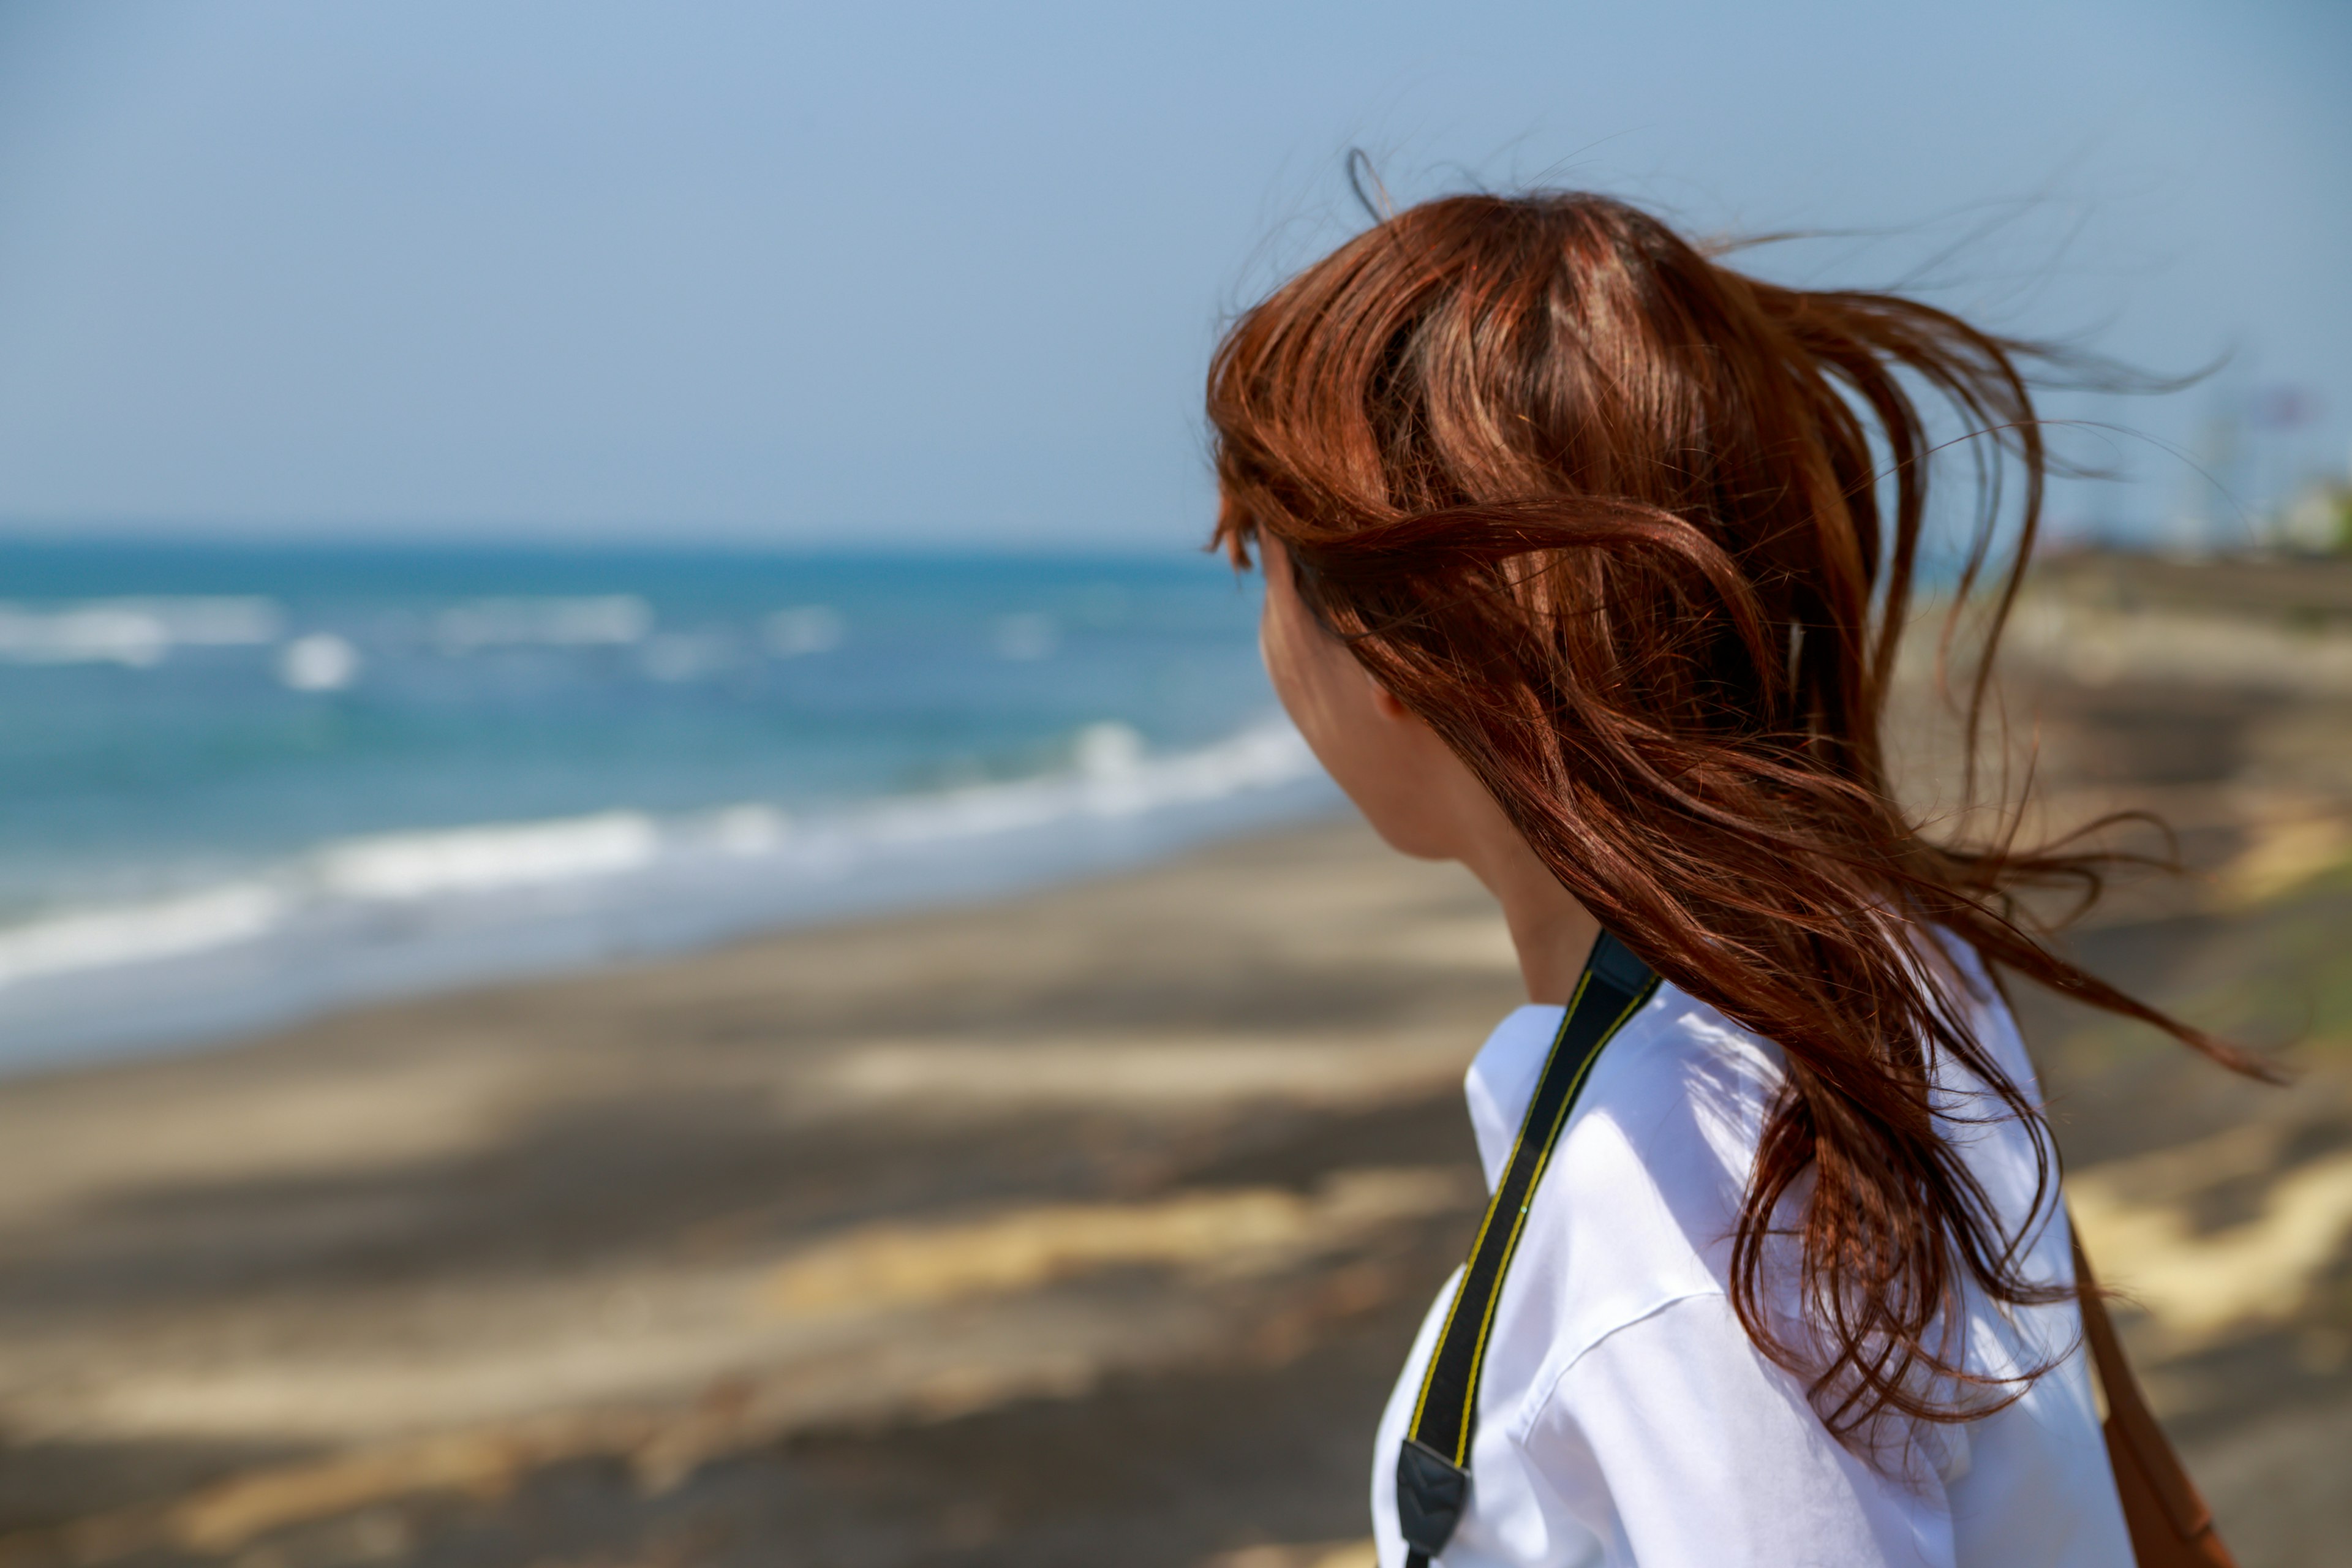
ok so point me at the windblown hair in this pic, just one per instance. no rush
(1606, 514)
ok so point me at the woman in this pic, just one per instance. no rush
(1587, 561)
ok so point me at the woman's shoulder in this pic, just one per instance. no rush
(1639, 1208)
(1672, 1114)
(1647, 1183)
(1635, 1210)
(1685, 1091)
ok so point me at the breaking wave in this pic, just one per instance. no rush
(396, 913)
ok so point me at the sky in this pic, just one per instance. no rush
(907, 275)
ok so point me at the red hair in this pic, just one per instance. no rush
(1606, 514)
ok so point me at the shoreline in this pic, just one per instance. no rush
(372, 921)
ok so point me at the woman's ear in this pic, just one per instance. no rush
(1386, 701)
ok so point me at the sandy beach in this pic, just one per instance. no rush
(1088, 1227)
(834, 1181)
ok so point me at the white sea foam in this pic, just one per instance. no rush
(102, 939)
(403, 912)
(477, 859)
(746, 829)
(680, 656)
(321, 661)
(608, 620)
(1107, 750)
(133, 632)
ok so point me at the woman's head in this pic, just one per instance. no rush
(1559, 391)
(1607, 516)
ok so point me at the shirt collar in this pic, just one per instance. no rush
(1502, 1080)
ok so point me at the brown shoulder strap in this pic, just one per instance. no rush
(2170, 1525)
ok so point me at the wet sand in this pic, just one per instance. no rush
(1088, 1229)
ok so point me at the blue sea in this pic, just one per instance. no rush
(239, 783)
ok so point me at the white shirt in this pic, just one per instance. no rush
(1624, 1416)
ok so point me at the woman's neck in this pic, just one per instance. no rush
(1550, 928)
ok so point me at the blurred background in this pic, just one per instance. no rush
(652, 910)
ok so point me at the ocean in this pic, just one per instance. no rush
(240, 785)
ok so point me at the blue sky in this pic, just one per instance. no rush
(892, 274)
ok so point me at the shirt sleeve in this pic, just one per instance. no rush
(1689, 1449)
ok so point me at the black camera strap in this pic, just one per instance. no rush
(1432, 1478)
